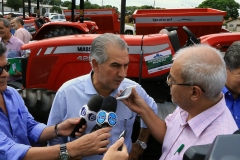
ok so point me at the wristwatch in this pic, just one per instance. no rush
(63, 152)
(142, 144)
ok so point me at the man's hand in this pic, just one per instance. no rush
(90, 144)
(66, 127)
(114, 154)
(136, 152)
(134, 102)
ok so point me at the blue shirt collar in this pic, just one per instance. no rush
(7, 91)
(225, 90)
(91, 90)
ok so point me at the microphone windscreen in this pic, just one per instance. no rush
(94, 104)
(109, 104)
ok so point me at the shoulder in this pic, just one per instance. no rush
(12, 91)
(75, 82)
(17, 40)
(127, 82)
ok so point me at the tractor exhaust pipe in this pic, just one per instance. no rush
(81, 11)
(122, 21)
(73, 10)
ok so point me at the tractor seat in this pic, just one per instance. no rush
(173, 37)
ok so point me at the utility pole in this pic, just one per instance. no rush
(73, 11)
(122, 20)
(38, 11)
(23, 6)
(29, 7)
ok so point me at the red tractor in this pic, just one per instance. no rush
(51, 62)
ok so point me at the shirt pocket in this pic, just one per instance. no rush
(127, 122)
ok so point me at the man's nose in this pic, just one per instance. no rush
(122, 72)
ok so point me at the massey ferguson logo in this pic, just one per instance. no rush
(91, 117)
(83, 111)
(84, 49)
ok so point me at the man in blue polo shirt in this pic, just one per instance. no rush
(232, 86)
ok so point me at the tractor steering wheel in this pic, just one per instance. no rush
(192, 39)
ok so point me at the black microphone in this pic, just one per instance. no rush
(106, 116)
(88, 112)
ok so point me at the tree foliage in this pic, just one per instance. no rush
(146, 7)
(56, 9)
(52, 2)
(130, 9)
(66, 3)
(230, 6)
(15, 4)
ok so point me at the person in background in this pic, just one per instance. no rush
(196, 78)
(20, 32)
(13, 45)
(231, 89)
(109, 59)
(9, 17)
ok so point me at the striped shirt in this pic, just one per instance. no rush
(201, 129)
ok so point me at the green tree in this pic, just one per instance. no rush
(131, 9)
(52, 2)
(15, 4)
(230, 6)
(66, 3)
(146, 7)
(56, 9)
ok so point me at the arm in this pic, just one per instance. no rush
(90, 144)
(62, 129)
(56, 115)
(137, 150)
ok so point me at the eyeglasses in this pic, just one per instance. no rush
(6, 67)
(169, 82)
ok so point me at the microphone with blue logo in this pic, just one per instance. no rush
(106, 117)
(88, 112)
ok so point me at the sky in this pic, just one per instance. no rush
(158, 3)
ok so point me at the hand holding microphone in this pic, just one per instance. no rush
(88, 112)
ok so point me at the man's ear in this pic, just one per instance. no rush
(196, 93)
(95, 65)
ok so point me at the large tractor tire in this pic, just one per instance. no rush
(38, 101)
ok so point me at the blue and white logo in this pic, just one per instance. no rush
(112, 119)
(101, 117)
(91, 117)
(83, 111)
(157, 55)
